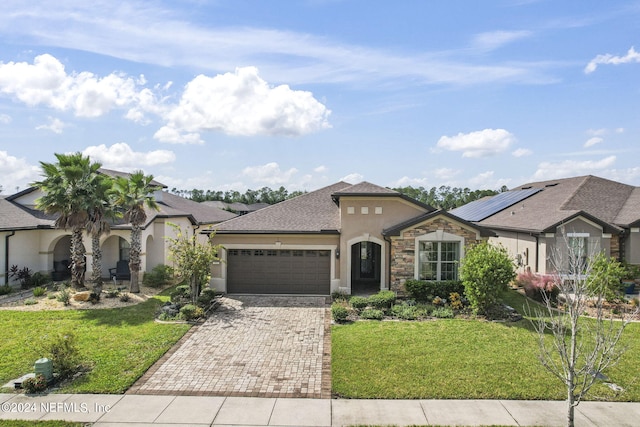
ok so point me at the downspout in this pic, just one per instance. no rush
(6, 256)
(537, 236)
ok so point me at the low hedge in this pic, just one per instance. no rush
(427, 290)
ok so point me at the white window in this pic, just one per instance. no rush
(364, 210)
(378, 210)
(438, 256)
(351, 210)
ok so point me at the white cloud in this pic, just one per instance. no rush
(353, 178)
(120, 156)
(406, 181)
(55, 125)
(173, 136)
(486, 181)
(16, 174)
(495, 39)
(568, 168)
(521, 152)
(269, 174)
(321, 169)
(445, 173)
(482, 143)
(593, 141)
(5, 119)
(242, 103)
(45, 82)
(608, 59)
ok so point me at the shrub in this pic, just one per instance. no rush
(383, 300)
(191, 312)
(39, 279)
(63, 353)
(23, 275)
(6, 289)
(94, 298)
(426, 290)
(206, 296)
(486, 272)
(39, 291)
(439, 301)
(358, 302)
(407, 312)
(455, 301)
(442, 312)
(112, 293)
(339, 311)
(161, 275)
(125, 297)
(372, 314)
(30, 301)
(339, 296)
(36, 384)
(64, 296)
(538, 287)
(182, 292)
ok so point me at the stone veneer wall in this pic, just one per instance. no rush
(403, 251)
(614, 247)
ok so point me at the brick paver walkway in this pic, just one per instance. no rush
(250, 346)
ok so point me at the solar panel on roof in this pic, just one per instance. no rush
(484, 208)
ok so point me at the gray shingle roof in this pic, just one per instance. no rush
(562, 199)
(172, 205)
(311, 212)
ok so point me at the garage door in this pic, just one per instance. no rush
(260, 271)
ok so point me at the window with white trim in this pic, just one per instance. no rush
(438, 260)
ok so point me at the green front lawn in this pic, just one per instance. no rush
(458, 359)
(119, 344)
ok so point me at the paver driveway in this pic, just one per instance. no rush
(264, 346)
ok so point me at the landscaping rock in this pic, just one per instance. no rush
(82, 296)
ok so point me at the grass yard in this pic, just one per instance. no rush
(119, 344)
(458, 359)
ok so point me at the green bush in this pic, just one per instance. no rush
(206, 296)
(181, 292)
(427, 290)
(30, 301)
(63, 352)
(191, 312)
(339, 296)
(486, 272)
(36, 384)
(64, 296)
(358, 302)
(6, 289)
(112, 293)
(39, 291)
(383, 300)
(408, 312)
(372, 314)
(39, 279)
(125, 297)
(442, 312)
(161, 275)
(339, 311)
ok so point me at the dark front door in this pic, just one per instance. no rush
(365, 264)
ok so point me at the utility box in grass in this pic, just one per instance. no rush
(44, 366)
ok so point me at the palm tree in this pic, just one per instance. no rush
(131, 196)
(98, 223)
(67, 193)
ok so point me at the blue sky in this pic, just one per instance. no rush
(238, 94)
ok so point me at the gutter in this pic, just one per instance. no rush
(6, 256)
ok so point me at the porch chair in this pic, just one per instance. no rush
(121, 271)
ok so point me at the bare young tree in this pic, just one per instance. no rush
(575, 349)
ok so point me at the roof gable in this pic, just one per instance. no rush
(397, 229)
(312, 212)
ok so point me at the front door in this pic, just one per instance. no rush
(365, 265)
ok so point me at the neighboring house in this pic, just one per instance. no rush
(534, 220)
(236, 207)
(29, 238)
(343, 238)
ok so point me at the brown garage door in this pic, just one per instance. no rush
(259, 271)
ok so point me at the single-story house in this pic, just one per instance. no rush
(340, 238)
(534, 220)
(29, 238)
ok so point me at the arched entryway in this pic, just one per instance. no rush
(366, 267)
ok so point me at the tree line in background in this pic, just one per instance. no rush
(444, 197)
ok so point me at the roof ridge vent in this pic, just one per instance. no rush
(553, 184)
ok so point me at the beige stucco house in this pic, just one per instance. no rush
(29, 239)
(340, 238)
(534, 220)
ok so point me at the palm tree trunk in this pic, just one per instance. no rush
(78, 260)
(96, 264)
(134, 258)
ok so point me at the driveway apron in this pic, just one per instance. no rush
(258, 346)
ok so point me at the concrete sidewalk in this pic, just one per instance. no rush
(147, 410)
